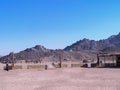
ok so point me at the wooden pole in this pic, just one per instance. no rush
(104, 61)
(60, 61)
(113, 60)
(12, 59)
(98, 60)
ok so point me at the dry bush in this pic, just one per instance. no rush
(76, 65)
(35, 66)
(18, 67)
(64, 65)
(10, 67)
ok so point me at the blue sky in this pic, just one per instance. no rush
(55, 23)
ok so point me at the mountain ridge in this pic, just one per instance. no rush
(100, 45)
(80, 50)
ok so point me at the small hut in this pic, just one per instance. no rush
(108, 60)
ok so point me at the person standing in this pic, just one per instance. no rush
(46, 67)
(7, 67)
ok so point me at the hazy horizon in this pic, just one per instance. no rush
(55, 23)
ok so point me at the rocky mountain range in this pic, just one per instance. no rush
(79, 51)
(111, 44)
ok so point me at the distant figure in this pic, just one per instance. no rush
(7, 67)
(46, 67)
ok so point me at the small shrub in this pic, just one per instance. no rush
(76, 65)
(17, 67)
(36, 67)
(64, 65)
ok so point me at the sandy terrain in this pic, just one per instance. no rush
(61, 79)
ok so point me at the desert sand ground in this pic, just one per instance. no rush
(61, 79)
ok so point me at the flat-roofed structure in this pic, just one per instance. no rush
(108, 59)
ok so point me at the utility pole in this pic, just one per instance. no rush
(98, 59)
(60, 61)
(12, 59)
